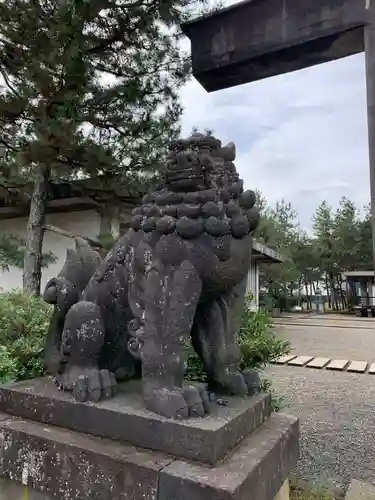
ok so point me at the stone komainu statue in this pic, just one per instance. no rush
(178, 273)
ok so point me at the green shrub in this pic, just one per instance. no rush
(24, 322)
(23, 325)
(259, 345)
(303, 491)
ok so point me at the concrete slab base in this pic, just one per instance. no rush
(9, 490)
(60, 463)
(16, 491)
(125, 418)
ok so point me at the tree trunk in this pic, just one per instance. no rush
(32, 266)
(342, 293)
(308, 301)
(328, 290)
(335, 306)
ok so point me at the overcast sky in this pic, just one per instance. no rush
(300, 136)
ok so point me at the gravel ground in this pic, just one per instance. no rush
(337, 416)
(345, 343)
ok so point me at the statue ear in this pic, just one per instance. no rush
(50, 292)
(228, 152)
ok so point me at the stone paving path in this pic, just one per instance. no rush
(327, 363)
(336, 406)
(352, 342)
(337, 416)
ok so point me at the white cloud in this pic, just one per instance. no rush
(301, 136)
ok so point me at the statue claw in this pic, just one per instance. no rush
(178, 403)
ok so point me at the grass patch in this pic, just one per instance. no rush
(303, 491)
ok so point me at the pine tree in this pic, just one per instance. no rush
(11, 253)
(88, 87)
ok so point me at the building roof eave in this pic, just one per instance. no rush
(262, 253)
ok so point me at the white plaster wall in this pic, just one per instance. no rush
(253, 285)
(83, 223)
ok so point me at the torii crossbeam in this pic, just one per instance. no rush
(257, 39)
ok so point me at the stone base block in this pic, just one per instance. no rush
(66, 464)
(124, 418)
(9, 490)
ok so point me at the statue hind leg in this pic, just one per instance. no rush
(81, 344)
(214, 338)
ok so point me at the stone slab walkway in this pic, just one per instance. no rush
(352, 343)
(321, 363)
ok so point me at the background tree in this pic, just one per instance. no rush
(278, 229)
(365, 250)
(12, 251)
(340, 241)
(11, 254)
(89, 88)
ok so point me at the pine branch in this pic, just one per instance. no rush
(67, 234)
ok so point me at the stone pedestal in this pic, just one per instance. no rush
(117, 450)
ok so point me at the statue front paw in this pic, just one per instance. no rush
(177, 402)
(88, 384)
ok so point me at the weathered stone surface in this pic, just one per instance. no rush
(124, 418)
(189, 228)
(207, 195)
(318, 362)
(357, 366)
(256, 470)
(300, 360)
(221, 246)
(148, 224)
(247, 199)
(191, 198)
(253, 216)
(210, 209)
(136, 222)
(338, 364)
(239, 226)
(166, 225)
(232, 209)
(285, 359)
(189, 210)
(281, 36)
(152, 211)
(16, 491)
(170, 210)
(64, 464)
(169, 198)
(216, 227)
(74, 466)
(236, 188)
(181, 279)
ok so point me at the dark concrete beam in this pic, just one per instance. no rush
(257, 39)
(262, 253)
(53, 206)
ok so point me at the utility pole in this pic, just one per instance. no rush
(369, 34)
